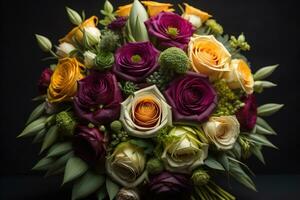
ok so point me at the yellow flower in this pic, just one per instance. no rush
(240, 76)
(208, 56)
(63, 83)
(155, 8)
(77, 32)
(190, 10)
(124, 11)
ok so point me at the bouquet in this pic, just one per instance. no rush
(149, 104)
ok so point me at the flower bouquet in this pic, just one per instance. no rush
(149, 104)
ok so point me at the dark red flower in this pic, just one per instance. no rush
(247, 115)
(44, 80)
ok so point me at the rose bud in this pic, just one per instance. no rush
(247, 115)
(117, 24)
(44, 80)
(64, 49)
(127, 194)
(200, 177)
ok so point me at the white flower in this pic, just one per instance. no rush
(91, 36)
(64, 49)
(183, 149)
(222, 131)
(145, 112)
(89, 59)
(193, 19)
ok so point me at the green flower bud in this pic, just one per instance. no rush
(74, 17)
(175, 59)
(104, 60)
(200, 177)
(154, 166)
(129, 88)
(66, 123)
(246, 146)
(44, 43)
(91, 36)
(214, 26)
(108, 7)
(109, 41)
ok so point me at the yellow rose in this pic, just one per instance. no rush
(63, 83)
(194, 15)
(240, 76)
(124, 11)
(154, 8)
(208, 56)
(77, 32)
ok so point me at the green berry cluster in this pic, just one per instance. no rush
(214, 26)
(228, 101)
(129, 88)
(160, 78)
(119, 135)
(240, 42)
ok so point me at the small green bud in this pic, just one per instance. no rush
(241, 38)
(175, 59)
(66, 123)
(246, 146)
(108, 7)
(91, 125)
(214, 26)
(200, 177)
(154, 166)
(74, 17)
(102, 128)
(91, 36)
(44, 43)
(116, 126)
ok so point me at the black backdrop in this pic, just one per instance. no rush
(270, 26)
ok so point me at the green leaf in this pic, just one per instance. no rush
(39, 98)
(147, 146)
(102, 193)
(261, 140)
(34, 127)
(214, 164)
(222, 158)
(75, 168)
(43, 164)
(264, 72)
(59, 165)
(39, 136)
(238, 173)
(112, 189)
(237, 150)
(268, 109)
(141, 33)
(256, 150)
(262, 123)
(262, 130)
(87, 185)
(259, 86)
(50, 138)
(36, 113)
(59, 149)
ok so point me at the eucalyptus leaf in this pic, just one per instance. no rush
(261, 140)
(222, 158)
(256, 150)
(34, 127)
(237, 150)
(43, 164)
(86, 185)
(50, 138)
(59, 165)
(268, 109)
(36, 113)
(59, 149)
(112, 188)
(262, 123)
(39, 136)
(264, 72)
(238, 173)
(213, 163)
(75, 168)
(262, 130)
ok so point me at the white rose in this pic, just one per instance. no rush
(184, 149)
(222, 131)
(240, 76)
(64, 49)
(193, 19)
(145, 112)
(89, 59)
(91, 36)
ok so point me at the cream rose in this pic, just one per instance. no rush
(184, 150)
(222, 131)
(126, 165)
(208, 56)
(240, 76)
(145, 112)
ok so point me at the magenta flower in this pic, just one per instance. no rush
(192, 98)
(247, 115)
(98, 98)
(170, 29)
(117, 24)
(44, 80)
(135, 61)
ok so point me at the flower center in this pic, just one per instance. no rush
(172, 31)
(136, 58)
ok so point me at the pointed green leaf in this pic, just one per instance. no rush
(34, 127)
(112, 189)
(256, 150)
(59, 165)
(87, 185)
(36, 113)
(60, 149)
(237, 150)
(214, 164)
(39, 98)
(268, 109)
(43, 164)
(262, 123)
(75, 168)
(262, 130)
(140, 33)
(102, 193)
(39, 136)
(50, 138)
(264, 72)
(261, 140)
(224, 161)
(238, 173)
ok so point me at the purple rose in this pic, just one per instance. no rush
(98, 98)
(167, 185)
(135, 61)
(247, 115)
(89, 144)
(192, 98)
(117, 24)
(44, 80)
(170, 30)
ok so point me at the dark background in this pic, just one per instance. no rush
(270, 26)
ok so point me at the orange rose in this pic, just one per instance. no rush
(208, 56)
(77, 32)
(153, 8)
(240, 76)
(63, 83)
(124, 11)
